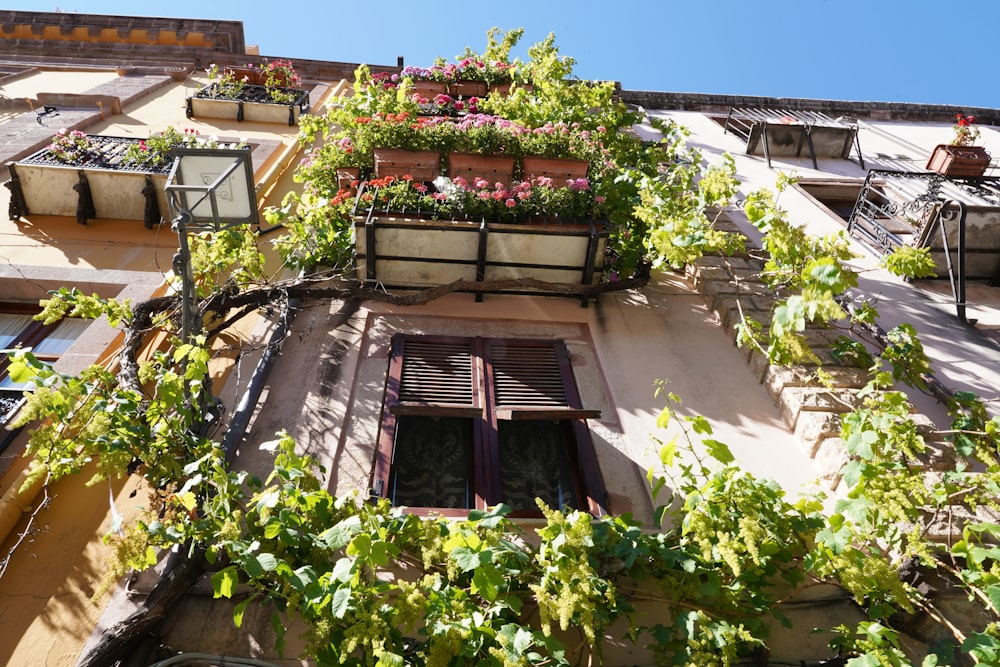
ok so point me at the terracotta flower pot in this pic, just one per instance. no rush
(346, 177)
(420, 165)
(493, 168)
(556, 168)
(429, 89)
(467, 88)
(959, 161)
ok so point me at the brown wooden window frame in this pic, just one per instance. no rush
(503, 381)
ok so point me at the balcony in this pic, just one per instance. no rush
(958, 220)
(417, 249)
(785, 133)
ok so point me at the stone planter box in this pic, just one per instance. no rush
(254, 104)
(40, 185)
(409, 252)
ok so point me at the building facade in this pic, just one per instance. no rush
(583, 434)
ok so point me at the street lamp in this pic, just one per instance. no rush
(208, 189)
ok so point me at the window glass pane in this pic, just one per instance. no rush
(432, 462)
(58, 341)
(11, 327)
(534, 462)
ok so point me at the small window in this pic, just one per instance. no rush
(472, 422)
(838, 197)
(18, 328)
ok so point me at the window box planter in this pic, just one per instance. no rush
(959, 161)
(399, 162)
(253, 104)
(406, 251)
(493, 168)
(100, 188)
(553, 167)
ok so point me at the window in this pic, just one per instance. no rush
(472, 422)
(48, 342)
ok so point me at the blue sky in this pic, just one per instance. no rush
(921, 51)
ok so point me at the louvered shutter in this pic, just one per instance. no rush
(534, 380)
(437, 377)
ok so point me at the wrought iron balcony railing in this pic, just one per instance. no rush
(958, 220)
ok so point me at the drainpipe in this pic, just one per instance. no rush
(244, 410)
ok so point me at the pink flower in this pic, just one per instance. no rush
(510, 203)
(481, 183)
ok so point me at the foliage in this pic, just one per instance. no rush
(156, 150)
(910, 262)
(226, 83)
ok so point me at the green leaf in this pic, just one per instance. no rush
(224, 582)
(668, 452)
(467, 559)
(240, 610)
(341, 602)
(268, 562)
(387, 659)
(343, 570)
(19, 372)
(985, 648)
(340, 535)
(993, 592)
(719, 451)
(273, 529)
(486, 580)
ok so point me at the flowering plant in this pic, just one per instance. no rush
(71, 146)
(478, 199)
(467, 69)
(445, 105)
(563, 140)
(226, 83)
(155, 151)
(279, 78)
(966, 133)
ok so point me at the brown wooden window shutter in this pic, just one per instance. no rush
(534, 380)
(438, 377)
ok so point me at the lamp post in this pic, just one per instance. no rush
(208, 189)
